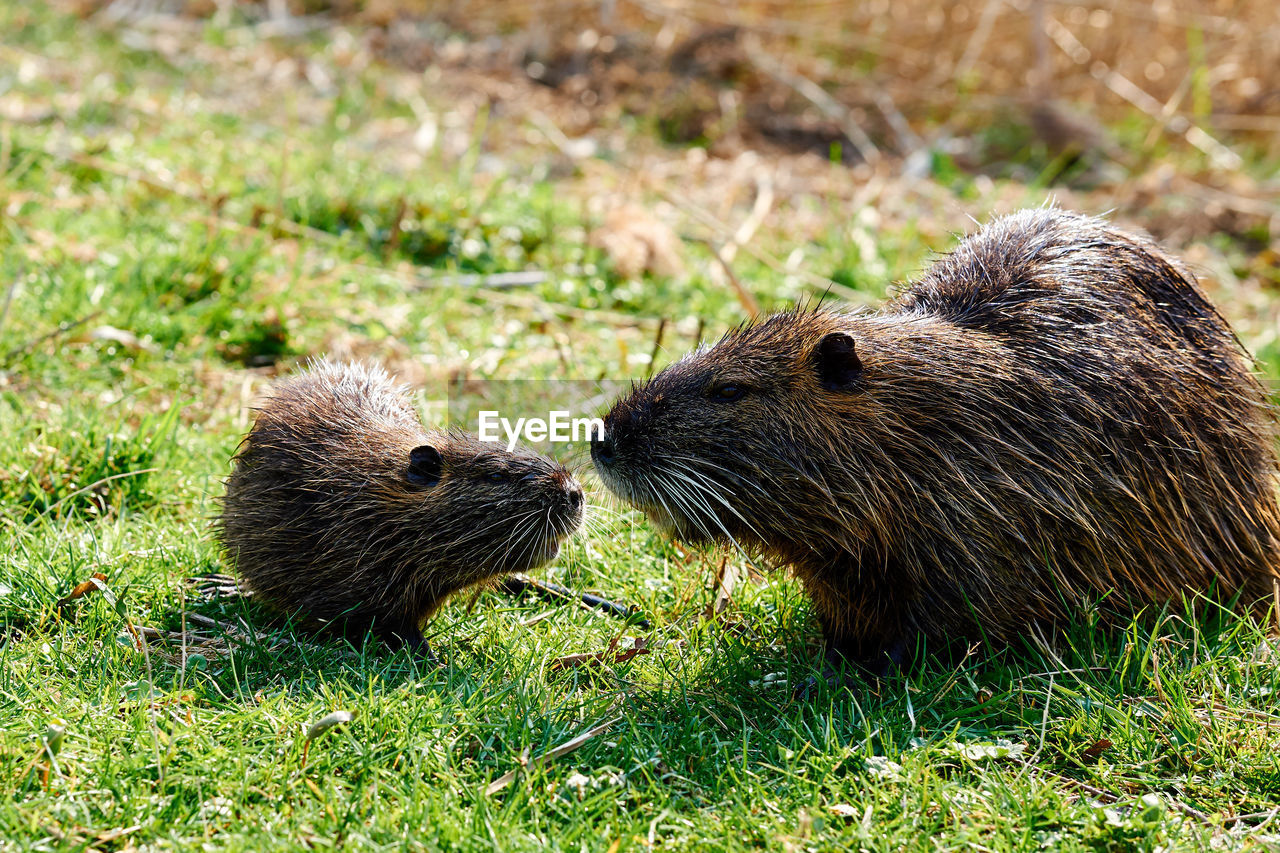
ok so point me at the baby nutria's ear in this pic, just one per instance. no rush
(425, 465)
(838, 364)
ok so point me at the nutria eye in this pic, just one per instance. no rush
(728, 393)
(497, 476)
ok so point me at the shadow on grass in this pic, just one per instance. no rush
(1136, 693)
(706, 717)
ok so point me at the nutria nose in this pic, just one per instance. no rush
(574, 492)
(602, 450)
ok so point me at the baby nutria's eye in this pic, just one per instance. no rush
(728, 393)
(496, 476)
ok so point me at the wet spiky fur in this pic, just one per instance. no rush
(1054, 414)
(327, 516)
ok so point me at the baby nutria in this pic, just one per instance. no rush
(1055, 414)
(342, 508)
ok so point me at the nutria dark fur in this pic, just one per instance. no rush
(1055, 414)
(341, 507)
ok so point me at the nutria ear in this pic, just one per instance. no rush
(425, 465)
(838, 364)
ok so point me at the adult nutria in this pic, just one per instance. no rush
(1055, 414)
(342, 508)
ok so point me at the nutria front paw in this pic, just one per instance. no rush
(837, 678)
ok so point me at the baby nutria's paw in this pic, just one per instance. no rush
(894, 657)
(838, 672)
(422, 652)
(836, 679)
(841, 670)
(412, 641)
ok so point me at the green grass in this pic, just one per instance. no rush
(175, 235)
